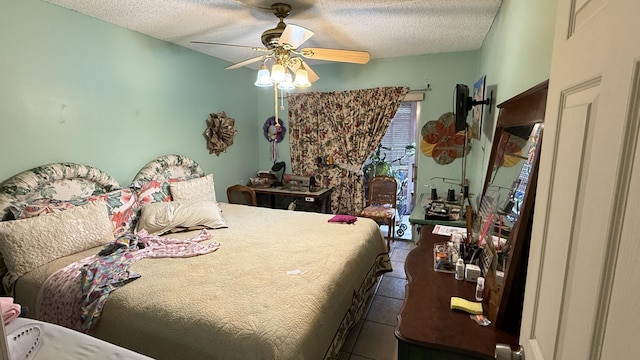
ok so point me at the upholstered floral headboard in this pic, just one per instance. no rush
(61, 186)
(63, 181)
(167, 167)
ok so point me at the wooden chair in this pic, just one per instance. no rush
(241, 194)
(382, 203)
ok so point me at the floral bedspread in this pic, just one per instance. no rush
(74, 296)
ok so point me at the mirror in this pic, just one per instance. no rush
(509, 193)
(510, 171)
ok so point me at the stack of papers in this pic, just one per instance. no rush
(447, 230)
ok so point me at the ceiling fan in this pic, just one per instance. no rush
(282, 45)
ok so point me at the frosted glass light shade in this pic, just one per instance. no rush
(302, 79)
(277, 73)
(264, 79)
(287, 84)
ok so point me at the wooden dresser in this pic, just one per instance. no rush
(427, 328)
(319, 200)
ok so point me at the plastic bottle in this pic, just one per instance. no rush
(460, 270)
(479, 288)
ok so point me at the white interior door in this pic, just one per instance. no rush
(583, 287)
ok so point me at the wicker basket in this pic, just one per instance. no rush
(260, 183)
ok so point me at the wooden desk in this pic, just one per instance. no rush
(427, 328)
(320, 199)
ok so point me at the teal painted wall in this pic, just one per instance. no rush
(74, 88)
(443, 72)
(516, 53)
(515, 56)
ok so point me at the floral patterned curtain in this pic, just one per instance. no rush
(344, 125)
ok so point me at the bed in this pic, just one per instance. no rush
(281, 285)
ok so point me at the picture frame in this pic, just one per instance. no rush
(488, 116)
(478, 95)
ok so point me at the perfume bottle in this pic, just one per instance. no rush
(479, 288)
(459, 275)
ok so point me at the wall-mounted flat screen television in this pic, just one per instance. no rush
(464, 103)
(462, 106)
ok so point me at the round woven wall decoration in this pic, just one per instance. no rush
(272, 131)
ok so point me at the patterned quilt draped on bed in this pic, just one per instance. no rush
(278, 287)
(74, 296)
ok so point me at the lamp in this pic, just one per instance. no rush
(278, 169)
(280, 76)
(287, 84)
(264, 79)
(277, 73)
(302, 78)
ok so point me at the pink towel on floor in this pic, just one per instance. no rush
(10, 310)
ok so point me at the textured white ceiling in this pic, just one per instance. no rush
(384, 28)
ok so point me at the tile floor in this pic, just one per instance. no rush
(373, 337)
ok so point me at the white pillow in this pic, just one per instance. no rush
(30, 243)
(162, 217)
(201, 188)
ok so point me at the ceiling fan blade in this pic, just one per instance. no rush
(349, 56)
(310, 73)
(246, 62)
(294, 35)
(241, 46)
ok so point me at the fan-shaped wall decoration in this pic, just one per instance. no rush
(220, 132)
(440, 140)
(509, 150)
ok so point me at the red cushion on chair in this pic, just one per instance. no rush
(378, 211)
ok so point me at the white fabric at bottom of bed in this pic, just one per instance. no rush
(240, 302)
(57, 342)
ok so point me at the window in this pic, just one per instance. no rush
(397, 154)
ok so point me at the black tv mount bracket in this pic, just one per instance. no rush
(487, 101)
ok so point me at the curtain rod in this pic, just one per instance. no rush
(427, 87)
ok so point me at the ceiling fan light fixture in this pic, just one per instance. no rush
(277, 73)
(287, 84)
(264, 78)
(302, 78)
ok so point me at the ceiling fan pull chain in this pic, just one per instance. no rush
(282, 98)
(275, 108)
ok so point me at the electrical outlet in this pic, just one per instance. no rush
(308, 199)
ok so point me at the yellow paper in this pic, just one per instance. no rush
(466, 305)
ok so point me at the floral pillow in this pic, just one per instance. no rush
(37, 207)
(157, 190)
(153, 191)
(121, 207)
